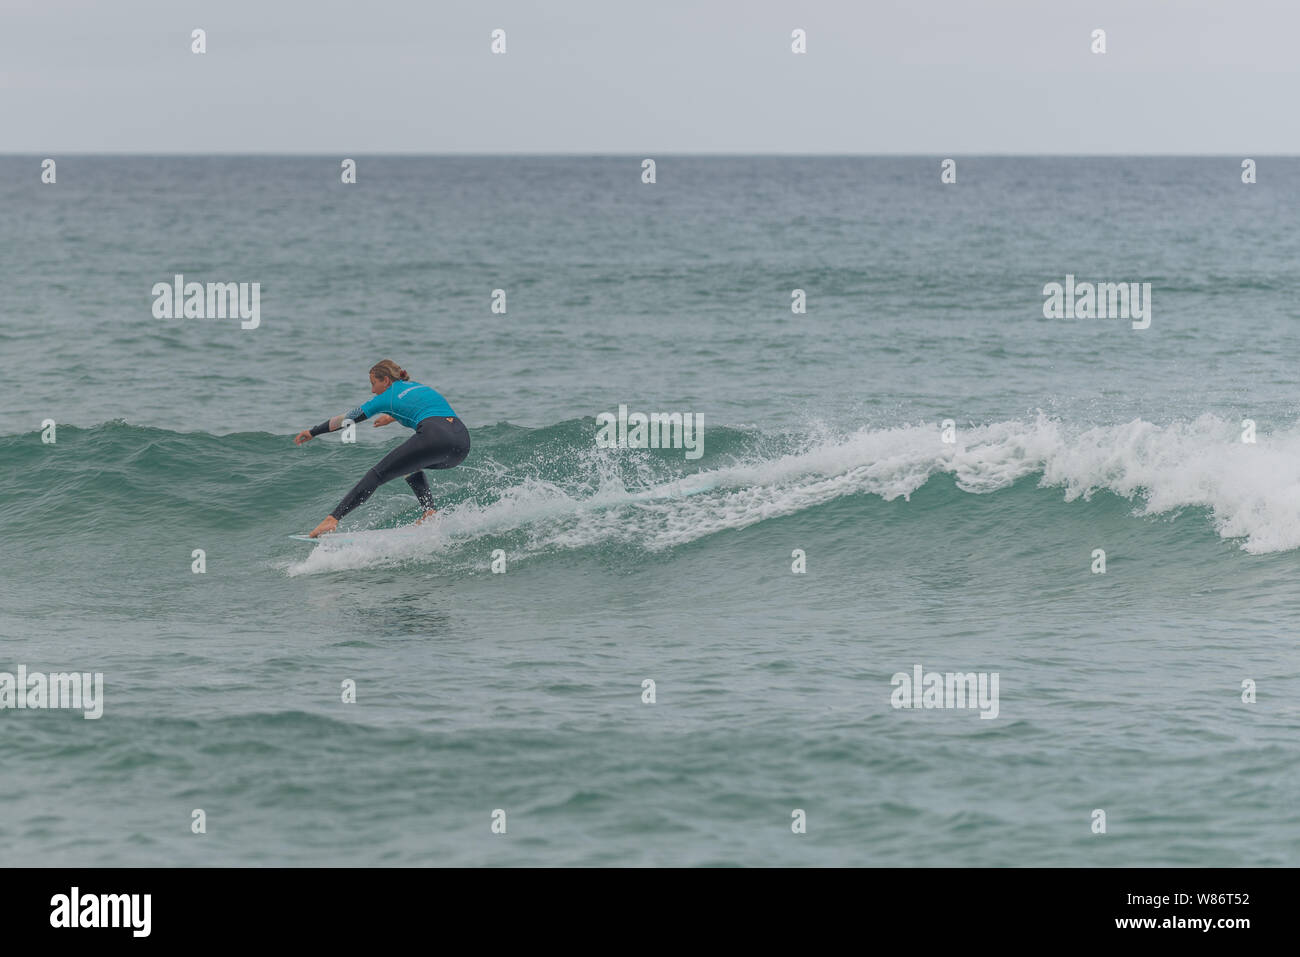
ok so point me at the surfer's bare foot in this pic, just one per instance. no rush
(428, 514)
(328, 525)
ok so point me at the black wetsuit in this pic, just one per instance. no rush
(439, 442)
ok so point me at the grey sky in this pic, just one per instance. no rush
(661, 76)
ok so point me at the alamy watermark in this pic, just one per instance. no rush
(931, 689)
(1103, 300)
(75, 909)
(77, 690)
(658, 430)
(215, 300)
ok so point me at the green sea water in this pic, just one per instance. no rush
(522, 690)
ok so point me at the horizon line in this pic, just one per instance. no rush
(624, 154)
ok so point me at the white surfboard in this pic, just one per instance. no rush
(664, 493)
(348, 538)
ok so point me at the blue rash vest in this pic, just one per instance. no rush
(408, 402)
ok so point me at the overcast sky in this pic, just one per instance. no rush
(658, 76)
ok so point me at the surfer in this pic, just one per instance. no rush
(441, 440)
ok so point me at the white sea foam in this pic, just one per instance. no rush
(1251, 491)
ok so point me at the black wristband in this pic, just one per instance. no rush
(320, 429)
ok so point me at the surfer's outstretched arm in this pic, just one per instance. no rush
(330, 425)
(336, 423)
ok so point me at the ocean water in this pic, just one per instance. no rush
(522, 691)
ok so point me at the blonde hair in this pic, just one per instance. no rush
(390, 370)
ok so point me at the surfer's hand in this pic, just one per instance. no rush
(301, 437)
(328, 524)
(384, 419)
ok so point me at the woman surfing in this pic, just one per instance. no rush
(441, 440)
